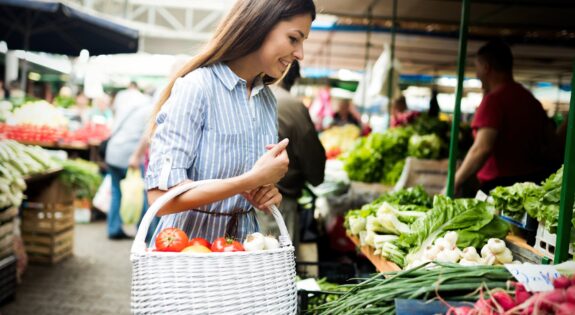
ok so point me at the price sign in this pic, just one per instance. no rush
(535, 278)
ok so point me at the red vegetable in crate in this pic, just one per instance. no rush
(561, 283)
(462, 310)
(565, 309)
(224, 244)
(570, 294)
(504, 300)
(199, 241)
(171, 240)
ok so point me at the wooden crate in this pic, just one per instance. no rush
(38, 217)
(8, 214)
(49, 248)
(380, 263)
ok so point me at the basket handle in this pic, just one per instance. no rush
(139, 244)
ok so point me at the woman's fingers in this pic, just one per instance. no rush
(275, 200)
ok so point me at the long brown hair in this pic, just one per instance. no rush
(240, 33)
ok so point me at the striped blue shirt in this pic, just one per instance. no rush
(208, 129)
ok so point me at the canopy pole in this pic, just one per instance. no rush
(391, 68)
(366, 57)
(568, 185)
(461, 61)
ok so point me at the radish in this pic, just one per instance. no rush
(570, 294)
(504, 299)
(547, 301)
(565, 309)
(521, 294)
(484, 307)
(529, 310)
(561, 282)
(462, 310)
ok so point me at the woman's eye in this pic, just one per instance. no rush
(292, 40)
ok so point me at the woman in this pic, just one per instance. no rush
(217, 117)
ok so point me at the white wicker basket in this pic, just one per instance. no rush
(260, 282)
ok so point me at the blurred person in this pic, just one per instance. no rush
(2, 90)
(101, 113)
(81, 109)
(130, 95)
(305, 152)
(344, 111)
(132, 113)
(510, 127)
(15, 94)
(400, 115)
(218, 117)
(434, 108)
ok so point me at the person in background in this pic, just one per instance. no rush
(400, 116)
(433, 104)
(305, 151)
(81, 109)
(101, 112)
(509, 126)
(344, 113)
(132, 113)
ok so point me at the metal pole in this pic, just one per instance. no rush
(568, 186)
(461, 59)
(366, 58)
(390, 74)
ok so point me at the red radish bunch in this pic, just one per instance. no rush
(560, 301)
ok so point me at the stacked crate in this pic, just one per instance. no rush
(7, 221)
(7, 258)
(48, 223)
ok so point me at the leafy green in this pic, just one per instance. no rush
(409, 197)
(469, 216)
(379, 157)
(514, 200)
(424, 147)
(82, 176)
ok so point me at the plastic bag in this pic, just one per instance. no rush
(132, 197)
(103, 198)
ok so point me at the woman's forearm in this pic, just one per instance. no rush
(205, 194)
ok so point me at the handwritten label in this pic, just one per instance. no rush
(535, 278)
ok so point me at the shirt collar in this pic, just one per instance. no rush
(230, 79)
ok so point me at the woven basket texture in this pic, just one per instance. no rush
(259, 282)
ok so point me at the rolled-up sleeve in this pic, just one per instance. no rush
(179, 126)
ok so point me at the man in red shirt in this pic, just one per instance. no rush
(509, 127)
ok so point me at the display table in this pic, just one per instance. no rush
(380, 263)
(87, 151)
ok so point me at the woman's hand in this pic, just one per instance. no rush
(263, 197)
(271, 166)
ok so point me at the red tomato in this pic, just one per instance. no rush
(224, 244)
(171, 240)
(199, 241)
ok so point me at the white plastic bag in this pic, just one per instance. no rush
(132, 197)
(103, 197)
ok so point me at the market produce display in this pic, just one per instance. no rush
(16, 162)
(452, 282)
(82, 176)
(175, 240)
(380, 157)
(39, 113)
(404, 230)
(560, 301)
(539, 201)
(338, 139)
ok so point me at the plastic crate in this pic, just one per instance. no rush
(545, 241)
(334, 272)
(527, 222)
(7, 279)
